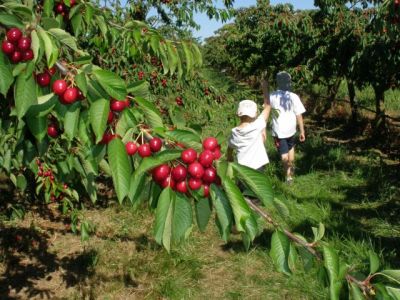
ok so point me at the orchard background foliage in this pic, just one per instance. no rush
(93, 95)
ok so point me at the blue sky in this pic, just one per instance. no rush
(209, 26)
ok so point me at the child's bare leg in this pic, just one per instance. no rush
(285, 162)
(290, 171)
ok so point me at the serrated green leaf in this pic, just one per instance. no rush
(50, 49)
(182, 219)
(111, 83)
(150, 111)
(64, 38)
(280, 247)
(373, 262)
(149, 163)
(81, 82)
(393, 292)
(163, 217)
(139, 89)
(203, 213)
(223, 211)
(120, 168)
(259, 183)
(37, 126)
(48, 6)
(6, 76)
(186, 137)
(10, 21)
(393, 275)
(71, 120)
(331, 263)
(136, 187)
(98, 114)
(355, 291)
(76, 22)
(35, 46)
(25, 94)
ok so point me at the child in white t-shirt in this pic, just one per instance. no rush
(249, 136)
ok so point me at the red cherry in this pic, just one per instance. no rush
(13, 35)
(210, 143)
(155, 144)
(43, 79)
(161, 172)
(117, 105)
(189, 155)
(52, 131)
(52, 71)
(81, 96)
(196, 170)
(206, 158)
(179, 173)
(27, 55)
(59, 87)
(7, 47)
(110, 117)
(72, 3)
(181, 187)
(59, 8)
(131, 148)
(24, 43)
(144, 150)
(107, 137)
(209, 175)
(16, 57)
(217, 153)
(168, 182)
(194, 183)
(206, 190)
(70, 95)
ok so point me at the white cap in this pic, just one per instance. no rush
(247, 108)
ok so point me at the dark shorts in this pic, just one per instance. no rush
(285, 145)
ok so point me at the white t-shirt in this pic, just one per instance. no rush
(289, 106)
(249, 144)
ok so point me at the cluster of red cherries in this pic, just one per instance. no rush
(145, 149)
(61, 9)
(193, 171)
(17, 46)
(67, 93)
(47, 174)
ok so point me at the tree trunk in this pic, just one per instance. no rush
(353, 105)
(332, 91)
(379, 103)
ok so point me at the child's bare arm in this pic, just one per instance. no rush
(267, 106)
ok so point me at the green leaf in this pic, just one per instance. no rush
(6, 76)
(183, 218)
(98, 114)
(393, 292)
(393, 275)
(139, 89)
(355, 292)
(163, 218)
(373, 262)
(25, 94)
(76, 22)
(203, 213)
(45, 105)
(137, 184)
(244, 218)
(38, 126)
(10, 21)
(280, 247)
(111, 83)
(149, 163)
(186, 137)
(223, 211)
(188, 58)
(21, 182)
(172, 57)
(257, 182)
(36, 46)
(71, 120)
(151, 112)
(84, 231)
(50, 49)
(64, 37)
(127, 122)
(80, 80)
(48, 7)
(120, 168)
(331, 263)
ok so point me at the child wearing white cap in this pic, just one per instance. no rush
(249, 136)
